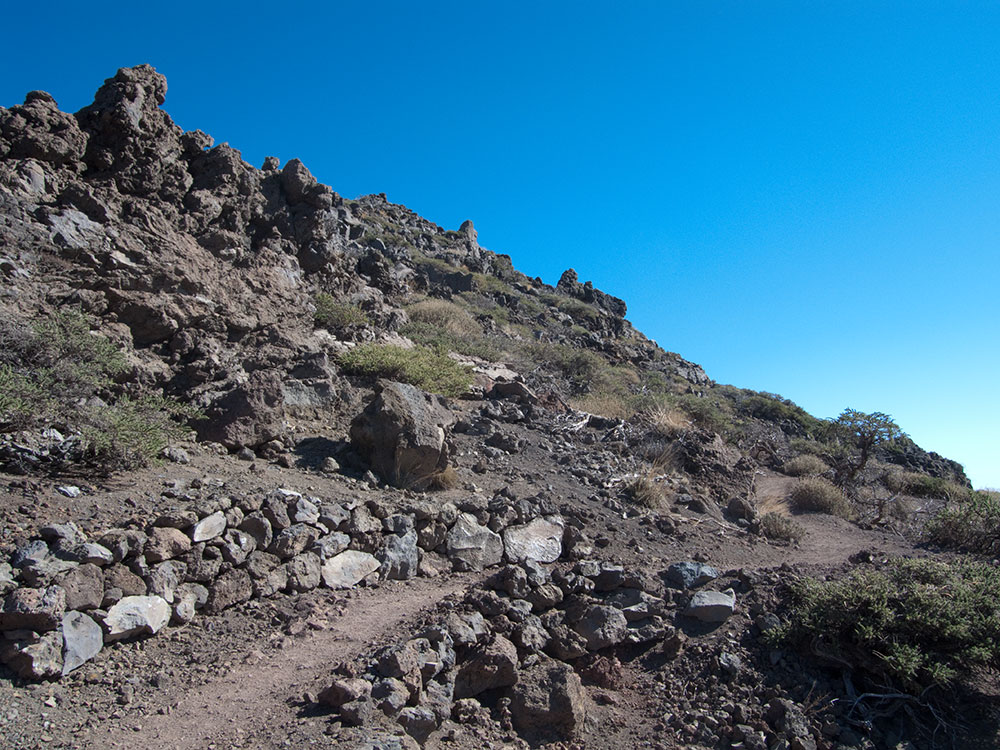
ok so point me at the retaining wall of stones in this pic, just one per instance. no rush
(65, 597)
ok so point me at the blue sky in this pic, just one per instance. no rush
(804, 198)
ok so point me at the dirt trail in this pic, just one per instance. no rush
(241, 708)
(827, 541)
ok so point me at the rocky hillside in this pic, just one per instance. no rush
(242, 411)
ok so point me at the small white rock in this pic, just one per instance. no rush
(209, 527)
(135, 615)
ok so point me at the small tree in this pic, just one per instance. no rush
(862, 432)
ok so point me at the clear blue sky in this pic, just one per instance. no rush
(802, 197)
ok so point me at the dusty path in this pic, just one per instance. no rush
(254, 704)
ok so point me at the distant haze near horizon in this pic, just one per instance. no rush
(803, 200)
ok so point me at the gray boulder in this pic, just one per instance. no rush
(136, 615)
(404, 435)
(549, 699)
(602, 626)
(304, 572)
(712, 606)
(209, 527)
(295, 539)
(83, 639)
(539, 540)
(688, 575)
(346, 570)
(472, 546)
(399, 557)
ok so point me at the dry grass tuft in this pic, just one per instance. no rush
(820, 496)
(446, 479)
(667, 421)
(644, 490)
(779, 526)
(610, 405)
(804, 466)
(446, 316)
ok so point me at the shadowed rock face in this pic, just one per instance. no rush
(403, 433)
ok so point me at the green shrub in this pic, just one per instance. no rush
(131, 432)
(708, 411)
(923, 485)
(336, 316)
(972, 524)
(56, 370)
(810, 446)
(779, 526)
(444, 326)
(771, 408)
(579, 366)
(804, 465)
(819, 495)
(490, 285)
(427, 369)
(916, 623)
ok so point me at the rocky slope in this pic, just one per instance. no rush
(545, 604)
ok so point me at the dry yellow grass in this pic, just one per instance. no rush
(804, 465)
(821, 496)
(445, 315)
(610, 405)
(667, 421)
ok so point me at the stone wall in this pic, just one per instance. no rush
(65, 596)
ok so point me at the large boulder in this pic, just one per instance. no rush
(486, 668)
(399, 557)
(33, 609)
(602, 626)
(82, 640)
(548, 699)
(472, 546)
(136, 615)
(348, 569)
(540, 540)
(248, 415)
(712, 606)
(404, 435)
(34, 656)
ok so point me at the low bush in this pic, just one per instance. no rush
(778, 526)
(915, 623)
(708, 411)
(923, 485)
(130, 431)
(56, 371)
(804, 465)
(810, 446)
(336, 316)
(972, 524)
(579, 366)
(446, 315)
(427, 369)
(819, 495)
(771, 408)
(444, 326)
